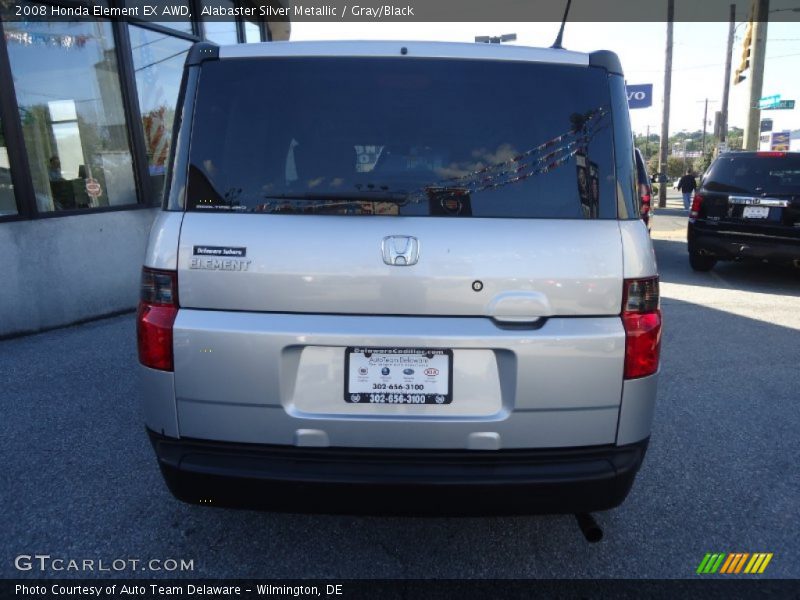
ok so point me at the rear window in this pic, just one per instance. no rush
(400, 136)
(777, 175)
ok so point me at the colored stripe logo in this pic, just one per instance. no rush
(734, 562)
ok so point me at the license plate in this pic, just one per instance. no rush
(398, 376)
(755, 212)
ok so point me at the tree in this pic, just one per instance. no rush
(735, 135)
(676, 166)
(647, 148)
(705, 162)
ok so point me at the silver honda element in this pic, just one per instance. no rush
(395, 275)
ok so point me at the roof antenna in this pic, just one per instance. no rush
(557, 43)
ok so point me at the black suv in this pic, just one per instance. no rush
(644, 187)
(748, 206)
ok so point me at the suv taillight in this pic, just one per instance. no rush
(158, 306)
(645, 208)
(641, 317)
(697, 202)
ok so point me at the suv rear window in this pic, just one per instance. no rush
(401, 136)
(756, 174)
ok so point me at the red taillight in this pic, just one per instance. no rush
(772, 153)
(645, 209)
(158, 306)
(641, 318)
(697, 202)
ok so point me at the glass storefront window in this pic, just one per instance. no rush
(73, 120)
(252, 32)
(217, 30)
(8, 205)
(158, 64)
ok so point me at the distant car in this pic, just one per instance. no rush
(644, 188)
(747, 207)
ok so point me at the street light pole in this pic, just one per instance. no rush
(685, 158)
(705, 124)
(753, 122)
(662, 159)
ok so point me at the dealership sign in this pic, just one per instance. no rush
(780, 141)
(640, 96)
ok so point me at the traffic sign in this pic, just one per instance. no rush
(769, 101)
(781, 105)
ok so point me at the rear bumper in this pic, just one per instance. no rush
(729, 245)
(381, 481)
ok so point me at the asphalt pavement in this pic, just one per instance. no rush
(79, 479)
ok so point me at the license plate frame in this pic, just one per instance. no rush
(755, 212)
(380, 375)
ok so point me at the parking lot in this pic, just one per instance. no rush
(79, 479)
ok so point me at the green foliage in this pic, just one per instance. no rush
(735, 136)
(692, 141)
(676, 166)
(652, 164)
(705, 162)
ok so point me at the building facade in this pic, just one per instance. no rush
(86, 115)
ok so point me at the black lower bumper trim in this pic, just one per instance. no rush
(398, 481)
(732, 246)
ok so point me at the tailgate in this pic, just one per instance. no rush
(509, 269)
(280, 379)
(773, 214)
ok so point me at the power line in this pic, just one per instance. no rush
(706, 66)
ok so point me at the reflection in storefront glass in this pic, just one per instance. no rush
(73, 121)
(7, 204)
(158, 64)
(252, 32)
(218, 29)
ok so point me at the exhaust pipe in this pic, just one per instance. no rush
(589, 528)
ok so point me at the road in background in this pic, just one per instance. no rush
(79, 479)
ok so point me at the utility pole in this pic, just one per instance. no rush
(753, 122)
(705, 124)
(726, 88)
(662, 158)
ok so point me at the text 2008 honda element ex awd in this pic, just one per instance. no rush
(400, 273)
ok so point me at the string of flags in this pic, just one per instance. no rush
(522, 166)
(58, 40)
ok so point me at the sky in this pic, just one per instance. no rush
(698, 62)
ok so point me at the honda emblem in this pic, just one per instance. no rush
(400, 250)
